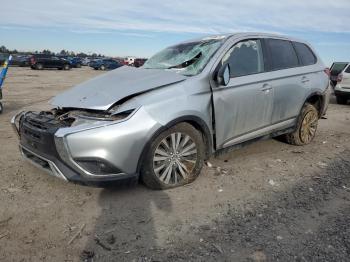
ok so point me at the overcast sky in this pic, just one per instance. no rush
(142, 27)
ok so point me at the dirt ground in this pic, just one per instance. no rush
(272, 202)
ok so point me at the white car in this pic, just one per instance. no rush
(342, 88)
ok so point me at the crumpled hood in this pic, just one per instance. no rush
(101, 92)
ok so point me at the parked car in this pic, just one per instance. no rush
(42, 61)
(3, 58)
(129, 60)
(85, 61)
(104, 64)
(336, 69)
(189, 101)
(342, 87)
(139, 62)
(75, 62)
(20, 60)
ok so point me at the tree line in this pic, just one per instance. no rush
(63, 52)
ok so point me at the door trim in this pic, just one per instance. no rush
(260, 132)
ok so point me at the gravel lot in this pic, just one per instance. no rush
(276, 202)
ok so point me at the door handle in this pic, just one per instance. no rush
(266, 88)
(304, 79)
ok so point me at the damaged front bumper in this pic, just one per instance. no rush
(90, 153)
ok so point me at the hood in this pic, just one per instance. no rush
(101, 92)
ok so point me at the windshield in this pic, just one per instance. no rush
(187, 58)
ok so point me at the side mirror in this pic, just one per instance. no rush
(223, 77)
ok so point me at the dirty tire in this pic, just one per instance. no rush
(185, 136)
(341, 100)
(39, 66)
(307, 121)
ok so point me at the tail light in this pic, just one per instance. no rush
(32, 60)
(328, 72)
(340, 78)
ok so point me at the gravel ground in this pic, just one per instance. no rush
(273, 202)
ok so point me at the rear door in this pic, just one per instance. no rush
(245, 105)
(290, 82)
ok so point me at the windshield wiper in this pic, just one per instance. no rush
(187, 63)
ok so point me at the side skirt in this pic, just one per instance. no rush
(246, 143)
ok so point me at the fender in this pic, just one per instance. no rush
(195, 121)
(320, 95)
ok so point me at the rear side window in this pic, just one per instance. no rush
(305, 54)
(283, 54)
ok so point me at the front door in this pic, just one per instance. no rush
(245, 105)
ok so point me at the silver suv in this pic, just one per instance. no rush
(161, 121)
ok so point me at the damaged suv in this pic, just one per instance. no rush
(161, 121)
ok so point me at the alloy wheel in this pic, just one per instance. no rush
(175, 158)
(308, 127)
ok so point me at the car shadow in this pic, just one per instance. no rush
(126, 226)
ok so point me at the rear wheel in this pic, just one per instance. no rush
(78, 65)
(102, 67)
(341, 100)
(174, 158)
(39, 66)
(66, 67)
(306, 126)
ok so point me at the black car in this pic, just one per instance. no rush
(20, 60)
(41, 61)
(105, 64)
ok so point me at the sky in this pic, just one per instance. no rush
(143, 27)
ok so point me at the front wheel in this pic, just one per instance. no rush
(174, 158)
(306, 126)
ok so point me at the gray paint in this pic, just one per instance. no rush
(101, 92)
(249, 107)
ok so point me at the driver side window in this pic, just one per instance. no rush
(245, 58)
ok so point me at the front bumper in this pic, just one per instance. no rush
(56, 149)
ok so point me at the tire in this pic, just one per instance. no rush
(66, 67)
(102, 67)
(306, 126)
(163, 167)
(39, 66)
(341, 100)
(1, 108)
(78, 65)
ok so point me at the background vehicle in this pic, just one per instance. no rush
(139, 62)
(85, 61)
(129, 60)
(161, 121)
(42, 61)
(75, 62)
(342, 87)
(336, 69)
(3, 58)
(104, 64)
(20, 60)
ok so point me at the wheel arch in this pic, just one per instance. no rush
(317, 99)
(194, 121)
